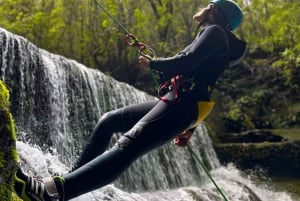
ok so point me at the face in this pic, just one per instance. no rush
(202, 14)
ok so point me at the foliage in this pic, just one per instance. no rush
(81, 30)
(272, 25)
(8, 155)
(4, 97)
(274, 33)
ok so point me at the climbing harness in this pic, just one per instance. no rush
(206, 171)
(178, 84)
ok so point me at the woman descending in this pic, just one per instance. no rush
(185, 101)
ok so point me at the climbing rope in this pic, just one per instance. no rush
(146, 51)
(130, 39)
(206, 171)
(112, 17)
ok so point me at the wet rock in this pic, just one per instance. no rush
(253, 136)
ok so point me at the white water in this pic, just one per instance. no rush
(56, 102)
(233, 183)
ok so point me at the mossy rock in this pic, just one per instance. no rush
(277, 158)
(8, 153)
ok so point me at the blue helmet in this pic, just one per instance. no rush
(231, 10)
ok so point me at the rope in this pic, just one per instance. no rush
(206, 171)
(188, 146)
(144, 49)
(111, 16)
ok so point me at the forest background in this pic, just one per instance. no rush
(262, 92)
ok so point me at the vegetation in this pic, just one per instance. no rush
(8, 155)
(260, 93)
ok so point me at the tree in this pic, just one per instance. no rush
(81, 30)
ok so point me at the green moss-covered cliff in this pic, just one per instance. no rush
(8, 154)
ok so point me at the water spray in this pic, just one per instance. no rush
(206, 171)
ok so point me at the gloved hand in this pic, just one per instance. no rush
(183, 138)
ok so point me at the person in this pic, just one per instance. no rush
(185, 100)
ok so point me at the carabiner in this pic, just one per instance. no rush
(144, 50)
(147, 52)
(131, 40)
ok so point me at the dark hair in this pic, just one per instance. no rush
(216, 15)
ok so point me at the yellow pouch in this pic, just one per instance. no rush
(204, 108)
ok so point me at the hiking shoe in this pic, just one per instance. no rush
(32, 189)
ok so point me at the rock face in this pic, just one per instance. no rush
(252, 136)
(8, 155)
(278, 155)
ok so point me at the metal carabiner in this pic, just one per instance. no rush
(131, 40)
(144, 50)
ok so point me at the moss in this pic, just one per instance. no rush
(8, 153)
(4, 96)
(290, 134)
(2, 161)
(267, 155)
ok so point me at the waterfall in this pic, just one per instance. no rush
(56, 102)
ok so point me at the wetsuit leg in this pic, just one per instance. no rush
(160, 125)
(116, 121)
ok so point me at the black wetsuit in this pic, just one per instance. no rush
(148, 125)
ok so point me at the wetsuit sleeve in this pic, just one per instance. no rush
(211, 42)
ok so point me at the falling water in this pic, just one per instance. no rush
(57, 101)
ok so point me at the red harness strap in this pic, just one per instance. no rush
(177, 84)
